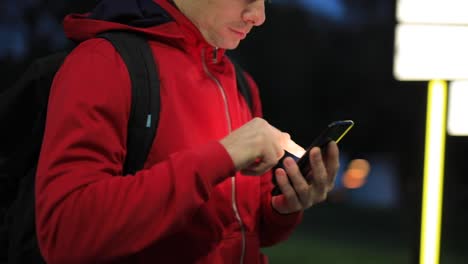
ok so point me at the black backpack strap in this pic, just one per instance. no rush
(144, 115)
(145, 107)
(243, 85)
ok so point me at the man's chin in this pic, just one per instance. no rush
(232, 45)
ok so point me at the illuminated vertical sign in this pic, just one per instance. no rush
(431, 44)
(457, 124)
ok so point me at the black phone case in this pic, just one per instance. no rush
(303, 164)
(335, 131)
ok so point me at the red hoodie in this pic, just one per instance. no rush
(188, 205)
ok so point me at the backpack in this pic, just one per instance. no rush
(23, 110)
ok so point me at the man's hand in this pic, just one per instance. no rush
(311, 189)
(256, 147)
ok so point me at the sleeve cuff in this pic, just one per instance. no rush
(274, 217)
(215, 163)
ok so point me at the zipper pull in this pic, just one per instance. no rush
(215, 55)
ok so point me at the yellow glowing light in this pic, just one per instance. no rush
(433, 172)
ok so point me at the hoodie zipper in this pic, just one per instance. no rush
(229, 124)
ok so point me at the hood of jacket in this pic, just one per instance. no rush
(157, 19)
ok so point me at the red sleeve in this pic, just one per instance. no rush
(275, 227)
(85, 213)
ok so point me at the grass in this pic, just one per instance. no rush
(339, 235)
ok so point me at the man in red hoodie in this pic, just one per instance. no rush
(204, 193)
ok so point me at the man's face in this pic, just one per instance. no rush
(224, 23)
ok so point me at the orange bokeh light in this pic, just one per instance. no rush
(356, 174)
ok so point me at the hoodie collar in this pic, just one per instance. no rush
(136, 13)
(158, 19)
(192, 34)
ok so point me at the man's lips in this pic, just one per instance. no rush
(240, 33)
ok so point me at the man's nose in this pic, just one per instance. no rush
(255, 13)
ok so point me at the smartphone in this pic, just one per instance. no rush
(335, 131)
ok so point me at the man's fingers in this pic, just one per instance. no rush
(301, 192)
(288, 191)
(318, 172)
(264, 164)
(299, 183)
